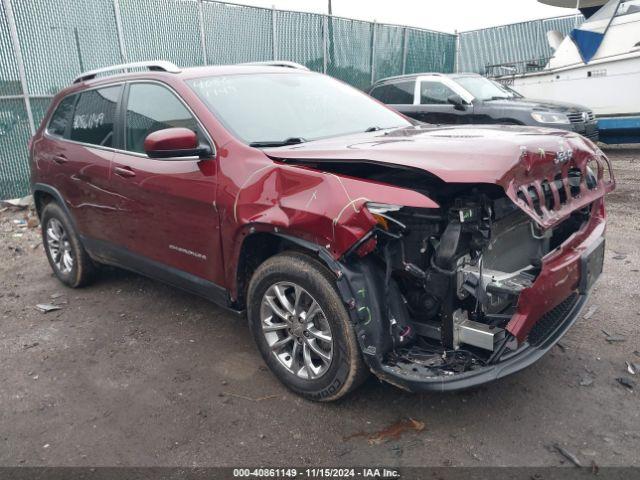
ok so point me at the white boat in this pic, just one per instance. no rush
(597, 65)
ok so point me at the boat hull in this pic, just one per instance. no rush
(609, 87)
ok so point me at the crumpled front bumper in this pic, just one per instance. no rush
(544, 314)
(405, 377)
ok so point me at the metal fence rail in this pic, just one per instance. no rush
(44, 44)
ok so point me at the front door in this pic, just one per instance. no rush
(167, 212)
(434, 106)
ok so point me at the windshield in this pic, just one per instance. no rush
(484, 89)
(287, 108)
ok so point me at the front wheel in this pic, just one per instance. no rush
(302, 328)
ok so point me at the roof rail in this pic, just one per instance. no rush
(156, 66)
(409, 75)
(278, 63)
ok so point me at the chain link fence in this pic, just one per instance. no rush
(510, 49)
(44, 44)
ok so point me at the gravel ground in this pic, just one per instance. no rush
(132, 372)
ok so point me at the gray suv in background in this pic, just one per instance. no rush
(472, 99)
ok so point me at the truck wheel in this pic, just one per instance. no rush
(302, 328)
(67, 257)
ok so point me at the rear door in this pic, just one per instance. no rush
(81, 151)
(167, 212)
(52, 152)
(399, 95)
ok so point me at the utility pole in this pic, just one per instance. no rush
(330, 10)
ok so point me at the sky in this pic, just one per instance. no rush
(441, 15)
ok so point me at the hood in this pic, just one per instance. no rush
(461, 154)
(516, 158)
(534, 104)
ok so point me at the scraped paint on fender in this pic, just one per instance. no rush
(319, 207)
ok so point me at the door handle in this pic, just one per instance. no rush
(60, 159)
(125, 172)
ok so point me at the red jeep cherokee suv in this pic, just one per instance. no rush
(353, 239)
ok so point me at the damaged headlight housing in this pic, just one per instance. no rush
(550, 118)
(380, 212)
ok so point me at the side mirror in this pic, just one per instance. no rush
(457, 101)
(175, 143)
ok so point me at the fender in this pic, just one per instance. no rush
(319, 207)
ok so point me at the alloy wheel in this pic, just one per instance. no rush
(59, 246)
(296, 330)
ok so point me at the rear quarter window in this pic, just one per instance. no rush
(94, 116)
(62, 117)
(400, 93)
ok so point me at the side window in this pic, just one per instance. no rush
(153, 107)
(395, 93)
(434, 93)
(95, 115)
(61, 117)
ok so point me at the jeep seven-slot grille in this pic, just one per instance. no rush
(550, 196)
(551, 320)
(581, 117)
(569, 189)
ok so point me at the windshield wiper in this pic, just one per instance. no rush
(372, 129)
(281, 143)
(500, 98)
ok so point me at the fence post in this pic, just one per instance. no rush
(15, 43)
(325, 27)
(274, 32)
(119, 31)
(457, 54)
(373, 51)
(203, 40)
(404, 50)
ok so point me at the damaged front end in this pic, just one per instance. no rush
(481, 287)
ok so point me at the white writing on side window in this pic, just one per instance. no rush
(84, 122)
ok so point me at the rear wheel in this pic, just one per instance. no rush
(67, 257)
(302, 328)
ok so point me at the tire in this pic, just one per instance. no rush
(293, 274)
(69, 261)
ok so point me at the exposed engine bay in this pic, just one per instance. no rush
(452, 277)
(471, 287)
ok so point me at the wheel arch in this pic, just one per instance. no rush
(43, 194)
(259, 245)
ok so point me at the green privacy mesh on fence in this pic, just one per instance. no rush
(298, 38)
(162, 29)
(522, 46)
(389, 51)
(236, 34)
(349, 51)
(58, 39)
(9, 81)
(430, 52)
(14, 134)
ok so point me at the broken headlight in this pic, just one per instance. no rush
(380, 212)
